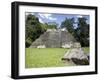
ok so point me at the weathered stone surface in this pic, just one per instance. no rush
(67, 46)
(41, 46)
(53, 38)
(77, 56)
(71, 45)
(76, 45)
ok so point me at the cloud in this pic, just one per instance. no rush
(27, 13)
(47, 16)
(40, 20)
(79, 16)
(51, 18)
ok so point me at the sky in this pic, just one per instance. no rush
(58, 18)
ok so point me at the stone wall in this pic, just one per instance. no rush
(54, 39)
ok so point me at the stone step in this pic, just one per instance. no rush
(54, 39)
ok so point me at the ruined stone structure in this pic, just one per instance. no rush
(61, 38)
(77, 56)
(54, 38)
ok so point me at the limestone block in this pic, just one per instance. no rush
(77, 56)
(76, 45)
(67, 46)
(41, 46)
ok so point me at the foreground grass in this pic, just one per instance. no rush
(47, 57)
(86, 50)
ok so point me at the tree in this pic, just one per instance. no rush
(68, 24)
(82, 32)
(52, 25)
(33, 29)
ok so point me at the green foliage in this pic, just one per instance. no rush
(28, 42)
(44, 27)
(83, 32)
(52, 25)
(68, 24)
(33, 29)
(86, 50)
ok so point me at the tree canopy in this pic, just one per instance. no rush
(81, 33)
(33, 29)
(68, 24)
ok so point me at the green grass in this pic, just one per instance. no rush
(86, 50)
(46, 57)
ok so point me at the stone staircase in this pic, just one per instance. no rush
(53, 39)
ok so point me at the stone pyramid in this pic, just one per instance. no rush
(57, 38)
(54, 38)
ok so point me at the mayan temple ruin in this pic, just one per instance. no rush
(54, 38)
(61, 38)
